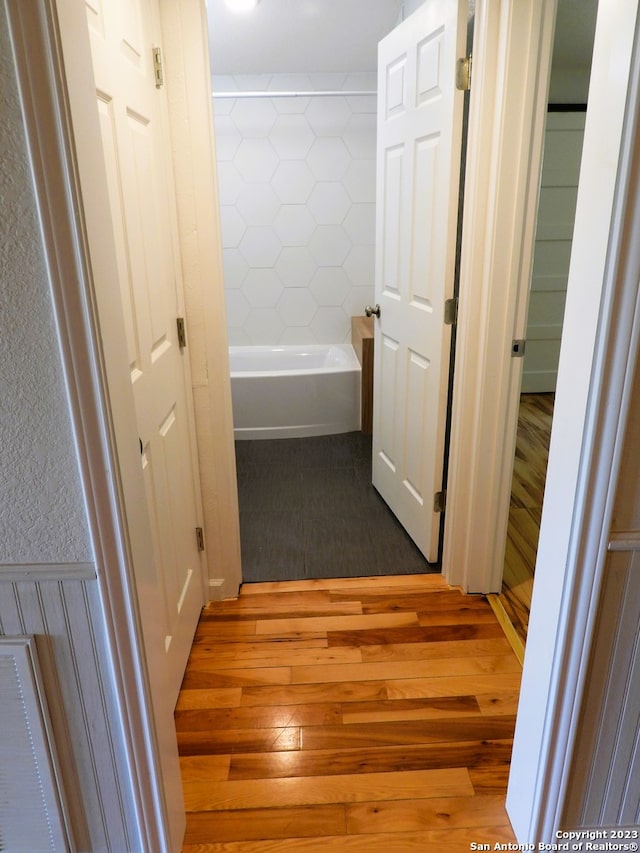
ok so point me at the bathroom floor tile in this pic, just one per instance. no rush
(259, 489)
(308, 510)
(337, 546)
(272, 545)
(330, 490)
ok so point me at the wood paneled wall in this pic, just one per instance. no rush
(604, 788)
(65, 616)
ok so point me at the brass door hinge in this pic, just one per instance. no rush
(200, 538)
(451, 311)
(440, 501)
(463, 73)
(158, 70)
(182, 332)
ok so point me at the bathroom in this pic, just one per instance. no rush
(296, 174)
(295, 129)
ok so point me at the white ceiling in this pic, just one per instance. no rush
(299, 36)
(326, 36)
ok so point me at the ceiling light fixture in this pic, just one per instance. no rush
(241, 6)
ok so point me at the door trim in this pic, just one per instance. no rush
(101, 404)
(512, 46)
(598, 360)
(186, 47)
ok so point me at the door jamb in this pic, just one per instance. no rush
(186, 46)
(598, 361)
(512, 47)
(101, 406)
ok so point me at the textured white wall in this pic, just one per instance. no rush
(297, 193)
(42, 515)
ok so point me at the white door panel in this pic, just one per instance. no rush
(132, 119)
(419, 136)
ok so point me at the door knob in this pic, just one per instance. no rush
(375, 310)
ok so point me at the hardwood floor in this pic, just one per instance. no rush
(371, 714)
(529, 474)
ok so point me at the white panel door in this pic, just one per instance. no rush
(132, 114)
(418, 167)
(554, 233)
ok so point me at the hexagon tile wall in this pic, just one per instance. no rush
(297, 195)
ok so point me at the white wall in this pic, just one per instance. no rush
(409, 7)
(569, 85)
(41, 511)
(297, 193)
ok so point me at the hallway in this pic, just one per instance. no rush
(356, 714)
(525, 510)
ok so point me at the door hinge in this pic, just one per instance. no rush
(440, 501)
(200, 538)
(182, 332)
(463, 73)
(157, 67)
(518, 348)
(451, 311)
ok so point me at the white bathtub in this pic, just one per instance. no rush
(294, 391)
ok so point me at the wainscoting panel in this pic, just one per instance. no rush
(63, 619)
(604, 788)
(32, 813)
(605, 785)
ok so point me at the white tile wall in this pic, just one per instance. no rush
(297, 190)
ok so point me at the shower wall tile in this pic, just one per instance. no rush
(297, 193)
(329, 203)
(294, 225)
(297, 306)
(263, 288)
(330, 286)
(293, 182)
(329, 245)
(233, 227)
(236, 268)
(295, 266)
(260, 246)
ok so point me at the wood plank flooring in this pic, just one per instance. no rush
(360, 714)
(527, 491)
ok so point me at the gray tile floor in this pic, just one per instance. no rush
(308, 510)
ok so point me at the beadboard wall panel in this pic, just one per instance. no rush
(32, 800)
(605, 786)
(64, 618)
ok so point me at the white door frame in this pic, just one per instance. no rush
(72, 197)
(512, 45)
(100, 397)
(512, 51)
(598, 359)
(186, 46)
